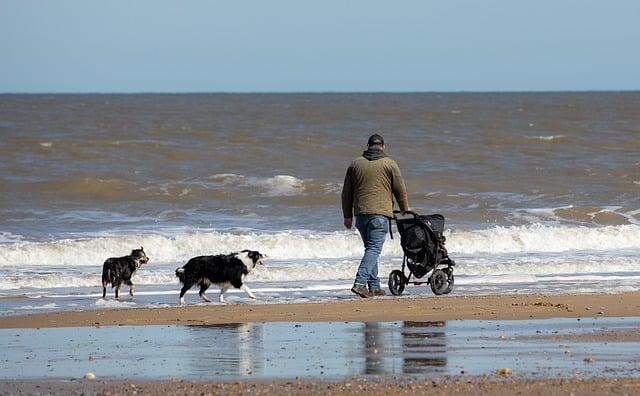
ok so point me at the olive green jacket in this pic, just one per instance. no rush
(370, 185)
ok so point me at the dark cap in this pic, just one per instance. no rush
(375, 140)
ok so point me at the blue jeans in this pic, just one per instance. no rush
(373, 230)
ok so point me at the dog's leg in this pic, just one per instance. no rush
(106, 277)
(246, 289)
(203, 288)
(223, 289)
(183, 291)
(118, 289)
(131, 288)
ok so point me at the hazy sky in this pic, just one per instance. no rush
(297, 45)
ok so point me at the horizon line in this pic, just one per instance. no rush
(314, 92)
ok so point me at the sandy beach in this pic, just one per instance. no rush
(515, 306)
(353, 386)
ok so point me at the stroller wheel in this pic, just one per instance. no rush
(449, 272)
(439, 282)
(397, 281)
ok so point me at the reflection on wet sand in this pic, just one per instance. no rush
(373, 354)
(247, 349)
(234, 349)
(424, 347)
(410, 348)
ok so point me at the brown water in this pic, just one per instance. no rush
(68, 163)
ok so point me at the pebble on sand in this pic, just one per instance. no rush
(503, 371)
(90, 376)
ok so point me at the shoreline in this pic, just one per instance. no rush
(424, 308)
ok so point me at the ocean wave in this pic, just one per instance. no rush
(275, 186)
(304, 245)
(215, 186)
(21, 280)
(544, 238)
(281, 185)
(179, 248)
(576, 214)
(6, 237)
(548, 138)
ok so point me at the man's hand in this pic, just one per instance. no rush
(348, 222)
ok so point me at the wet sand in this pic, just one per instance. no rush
(556, 349)
(427, 308)
(354, 386)
(600, 336)
(539, 348)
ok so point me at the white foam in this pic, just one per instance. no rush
(545, 137)
(36, 307)
(537, 266)
(113, 303)
(544, 238)
(275, 186)
(631, 215)
(226, 177)
(281, 185)
(497, 279)
(90, 278)
(551, 215)
(304, 245)
(164, 249)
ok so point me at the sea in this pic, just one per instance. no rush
(540, 191)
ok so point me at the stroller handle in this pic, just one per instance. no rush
(411, 212)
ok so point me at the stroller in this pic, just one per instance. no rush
(423, 246)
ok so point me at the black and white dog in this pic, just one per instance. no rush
(224, 270)
(119, 270)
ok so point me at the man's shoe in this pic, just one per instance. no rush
(361, 290)
(378, 293)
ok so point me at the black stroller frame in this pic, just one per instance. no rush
(441, 279)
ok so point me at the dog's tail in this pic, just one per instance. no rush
(106, 276)
(180, 274)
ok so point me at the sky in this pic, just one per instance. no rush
(318, 46)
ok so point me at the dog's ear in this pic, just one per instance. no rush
(141, 248)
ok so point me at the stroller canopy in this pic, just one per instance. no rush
(420, 236)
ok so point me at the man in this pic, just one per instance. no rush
(370, 184)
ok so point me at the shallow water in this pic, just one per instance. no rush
(27, 301)
(331, 350)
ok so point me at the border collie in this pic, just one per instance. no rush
(119, 270)
(224, 270)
